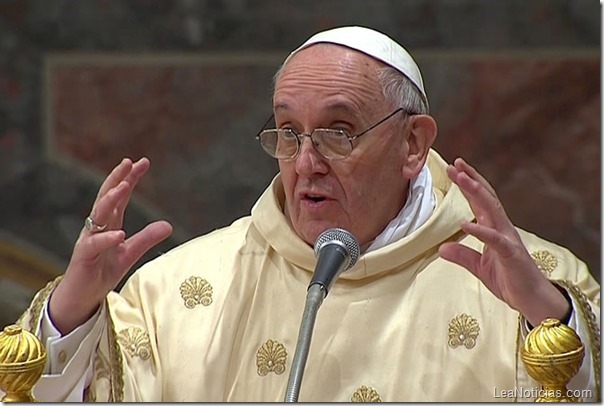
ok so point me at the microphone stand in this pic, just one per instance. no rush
(314, 298)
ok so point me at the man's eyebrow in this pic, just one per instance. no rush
(348, 108)
(281, 106)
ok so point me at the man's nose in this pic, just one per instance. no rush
(310, 161)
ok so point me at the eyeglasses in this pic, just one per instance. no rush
(285, 143)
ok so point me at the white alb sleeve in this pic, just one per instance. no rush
(70, 359)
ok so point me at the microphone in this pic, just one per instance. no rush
(337, 251)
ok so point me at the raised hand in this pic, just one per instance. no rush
(102, 255)
(504, 266)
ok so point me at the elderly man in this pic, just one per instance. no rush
(436, 308)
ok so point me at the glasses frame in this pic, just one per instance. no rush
(300, 136)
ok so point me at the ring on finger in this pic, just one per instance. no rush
(93, 227)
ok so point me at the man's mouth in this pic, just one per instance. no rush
(314, 198)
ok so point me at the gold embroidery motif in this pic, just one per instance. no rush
(89, 394)
(546, 261)
(117, 369)
(36, 306)
(271, 357)
(196, 290)
(463, 330)
(101, 371)
(101, 367)
(592, 327)
(365, 394)
(136, 342)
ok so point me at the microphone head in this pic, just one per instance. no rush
(343, 238)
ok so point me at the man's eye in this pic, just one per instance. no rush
(338, 132)
(287, 133)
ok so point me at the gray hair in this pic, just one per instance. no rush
(277, 76)
(400, 91)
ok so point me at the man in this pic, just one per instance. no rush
(436, 308)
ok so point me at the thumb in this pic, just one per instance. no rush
(462, 256)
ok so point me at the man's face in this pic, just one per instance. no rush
(328, 86)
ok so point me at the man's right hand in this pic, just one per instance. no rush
(101, 259)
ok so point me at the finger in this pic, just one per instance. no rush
(469, 259)
(90, 247)
(115, 177)
(452, 173)
(111, 207)
(137, 245)
(497, 241)
(462, 166)
(103, 213)
(138, 170)
(461, 255)
(486, 207)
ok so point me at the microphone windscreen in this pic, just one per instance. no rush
(345, 238)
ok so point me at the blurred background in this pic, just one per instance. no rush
(514, 86)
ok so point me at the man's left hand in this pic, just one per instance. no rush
(505, 266)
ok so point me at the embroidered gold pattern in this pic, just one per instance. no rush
(101, 371)
(592, 327)
(101, 367)
(107, 368)
(271, 357)
(89, 394)
(365, 394)
(35, 310)
(546, 261)
(519, 344)
(196, 290)
(135, 341)
(463, 330)
(117, 368)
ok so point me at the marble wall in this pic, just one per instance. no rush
(514, 86)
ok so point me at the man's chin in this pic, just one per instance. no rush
(310, 231)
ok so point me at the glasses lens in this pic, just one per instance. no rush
(280, 144)
(333, 144)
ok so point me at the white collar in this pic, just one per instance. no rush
(417, 209)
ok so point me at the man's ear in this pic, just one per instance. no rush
(421, 136)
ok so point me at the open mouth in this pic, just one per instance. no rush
(314, 198)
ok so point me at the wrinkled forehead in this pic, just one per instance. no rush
(324, 74)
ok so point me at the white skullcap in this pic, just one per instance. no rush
(374, 44)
